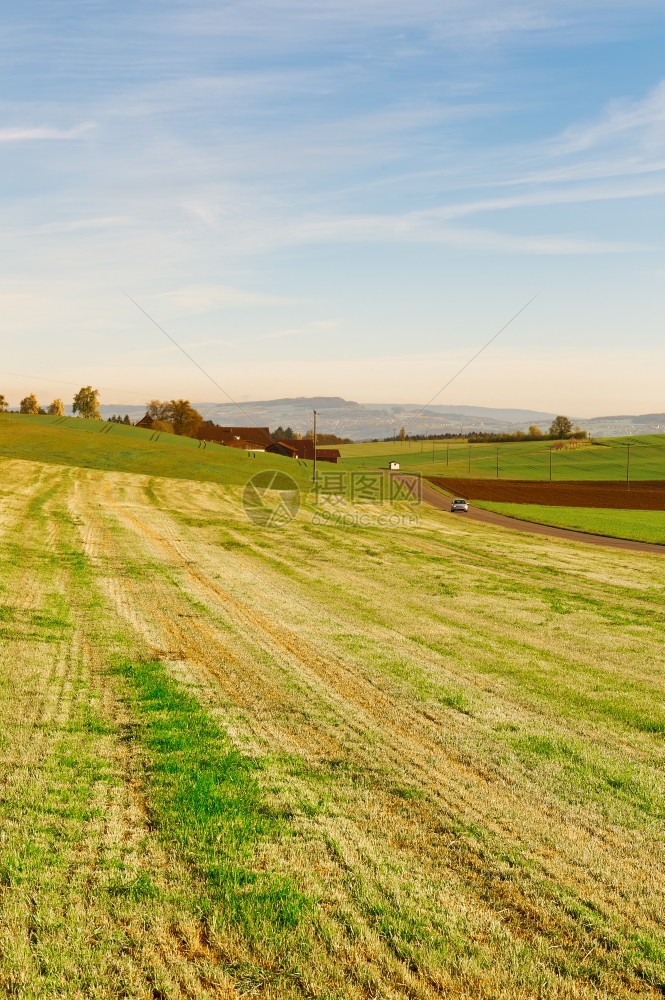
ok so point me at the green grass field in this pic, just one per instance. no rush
(521, 460)
(350, 758)
(96, 444)
(101, 445)
(639, 525)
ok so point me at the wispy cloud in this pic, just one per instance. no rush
(317, 326)
(206, 298)
(641, 122)
(360, 159)
(42, 133)
(474, 20)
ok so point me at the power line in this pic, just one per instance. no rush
(190, 358)
(61, 381)
(476, 355)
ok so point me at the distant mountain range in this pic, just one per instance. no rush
(361, 421)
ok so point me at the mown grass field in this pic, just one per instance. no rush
(606, 459)
(338, 762)
(640, 525)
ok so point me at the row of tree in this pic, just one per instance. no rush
(561, 428)
(86, 403)
(175, 416)
(30, 404)
(286, 434)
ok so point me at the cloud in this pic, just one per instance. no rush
(475, 21)
(309, 329)
(641, 122)
(42, 133)
(206, 298)
(427, 227)
(570, 196)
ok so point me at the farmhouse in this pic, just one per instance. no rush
(249, 438)
(303, 449)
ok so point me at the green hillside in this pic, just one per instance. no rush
(95, 444)
(605, 459)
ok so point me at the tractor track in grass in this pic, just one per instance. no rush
(230, 646)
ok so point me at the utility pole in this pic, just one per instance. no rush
(550, 463)
(447, 452)
(314, 443)
(497, 463)
(469, 459)
(628, 467)
(432, 451)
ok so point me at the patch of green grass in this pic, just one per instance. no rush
(205, 800)
(638, 525)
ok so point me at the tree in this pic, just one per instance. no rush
(162, 425)
(29, 404)
(535, 432)
(280, 434)
(126, 419)
(57, 408)
(185, 419)
(561, 426)
(86, 403)
(4, 405)
(402, 433)
(160, 409)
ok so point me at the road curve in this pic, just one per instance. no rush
(442, 502)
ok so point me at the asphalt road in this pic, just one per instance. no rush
(442, 502)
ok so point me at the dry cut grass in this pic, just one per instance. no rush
(324, 762)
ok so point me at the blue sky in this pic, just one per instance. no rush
(336, 197)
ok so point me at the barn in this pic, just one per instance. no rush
(304, 449)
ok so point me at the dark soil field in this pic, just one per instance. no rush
(643, 495)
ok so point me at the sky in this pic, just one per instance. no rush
(335, 197)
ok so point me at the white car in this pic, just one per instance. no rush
(459, 505)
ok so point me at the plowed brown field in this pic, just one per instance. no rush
(644, 495)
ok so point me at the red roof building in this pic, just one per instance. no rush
(303, 449)
(236, 437)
